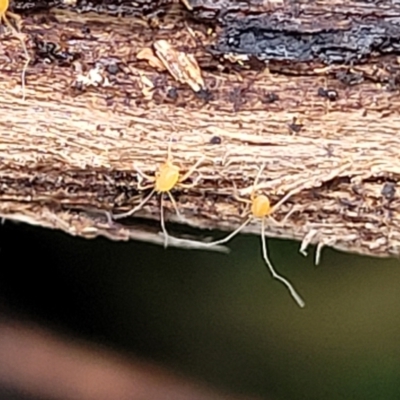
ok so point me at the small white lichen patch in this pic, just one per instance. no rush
(94, 77)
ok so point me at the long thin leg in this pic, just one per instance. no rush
(190, 185)
(192, 169)
(274, 274)
(254, 188)
(133, 210)
(230, 236)
(143, 174)
(241, 199)
(19, 37)
(246, 208)
(173, 201)
(283, 199)
(23, 75)
(144, 187)
(260, 171)
(162, 220)
(169, 150)
(305, 185)
(109, 217)
(236, 196)
(289, 214)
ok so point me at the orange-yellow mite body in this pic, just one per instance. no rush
(167, 178)
(3, 7)
(260, 206)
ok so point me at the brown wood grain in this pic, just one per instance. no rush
(68, 152)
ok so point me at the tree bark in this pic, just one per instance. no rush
(308, 89)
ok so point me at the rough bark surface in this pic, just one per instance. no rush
(324, 119)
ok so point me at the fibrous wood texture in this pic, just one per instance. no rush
(308, 88)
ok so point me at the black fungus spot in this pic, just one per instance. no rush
(330, 94)
(172, 93)
(109, 101)
(266, 38)
(112, 69)
(295, 127)
(270, 98)
(388, 190)
(53, 52)
(216, 140)
(357, 189)
(205, 94)
(85, 30)
(350, 78)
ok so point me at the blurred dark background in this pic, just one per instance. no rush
(217, 318)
